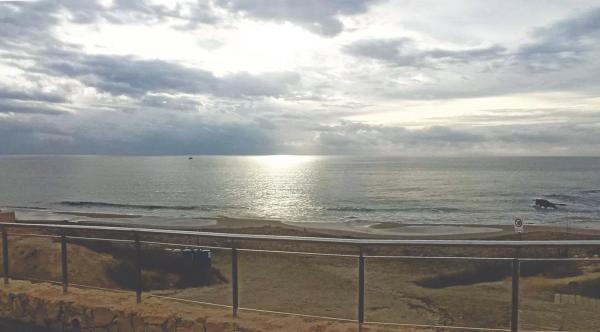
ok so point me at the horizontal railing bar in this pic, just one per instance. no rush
(298, 253)
(35, 235)
(298, 315)
(101, 288)
(445, 257)
(436, 326)
(184, 245)
(346, 241)
(98, 239)
(28, 278)
(474, 258)
(561, 259)
(188, 301)
(538, 329)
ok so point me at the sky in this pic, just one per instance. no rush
(369, 77)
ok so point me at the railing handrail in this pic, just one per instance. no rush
(346, 241)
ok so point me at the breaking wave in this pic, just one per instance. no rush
(149, 207)
(407, 209)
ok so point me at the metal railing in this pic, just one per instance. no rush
(134, 235)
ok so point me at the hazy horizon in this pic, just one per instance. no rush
(360, 155)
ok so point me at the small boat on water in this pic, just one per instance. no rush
(190, 158)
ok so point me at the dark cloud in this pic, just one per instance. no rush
(545, 139)
(27, 19)
(140, 11)
(358, 136)
(247, 85)
(176, 103)
(168, 132)
(124, 75)
(212, 138)
(24, 136)
(575, 28)
(27, 23)
(403, 52)
(21, 107)
(318, 16)
(388, 50)
(562, 56)
(30, 94)
(176, 134)
(563, 44)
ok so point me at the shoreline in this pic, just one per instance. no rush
(364, 227)
(276, 227)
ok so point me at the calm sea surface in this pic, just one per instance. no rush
(305, 188)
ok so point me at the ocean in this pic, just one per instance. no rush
(323, 189)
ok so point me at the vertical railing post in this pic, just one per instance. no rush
(516, 273)
(361, 289)
(138, 263)
(65, 268)
(5, 254)
(234, 279)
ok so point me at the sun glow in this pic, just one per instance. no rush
(286, 161)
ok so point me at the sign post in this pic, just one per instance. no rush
(519, 226)
(516, 274)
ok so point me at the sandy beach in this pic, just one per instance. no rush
(272, 226)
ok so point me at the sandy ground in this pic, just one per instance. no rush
(327, 286)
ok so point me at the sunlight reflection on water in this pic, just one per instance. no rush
(283, 186)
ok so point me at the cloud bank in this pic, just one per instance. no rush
(284, 76)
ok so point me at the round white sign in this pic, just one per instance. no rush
(518, 225)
